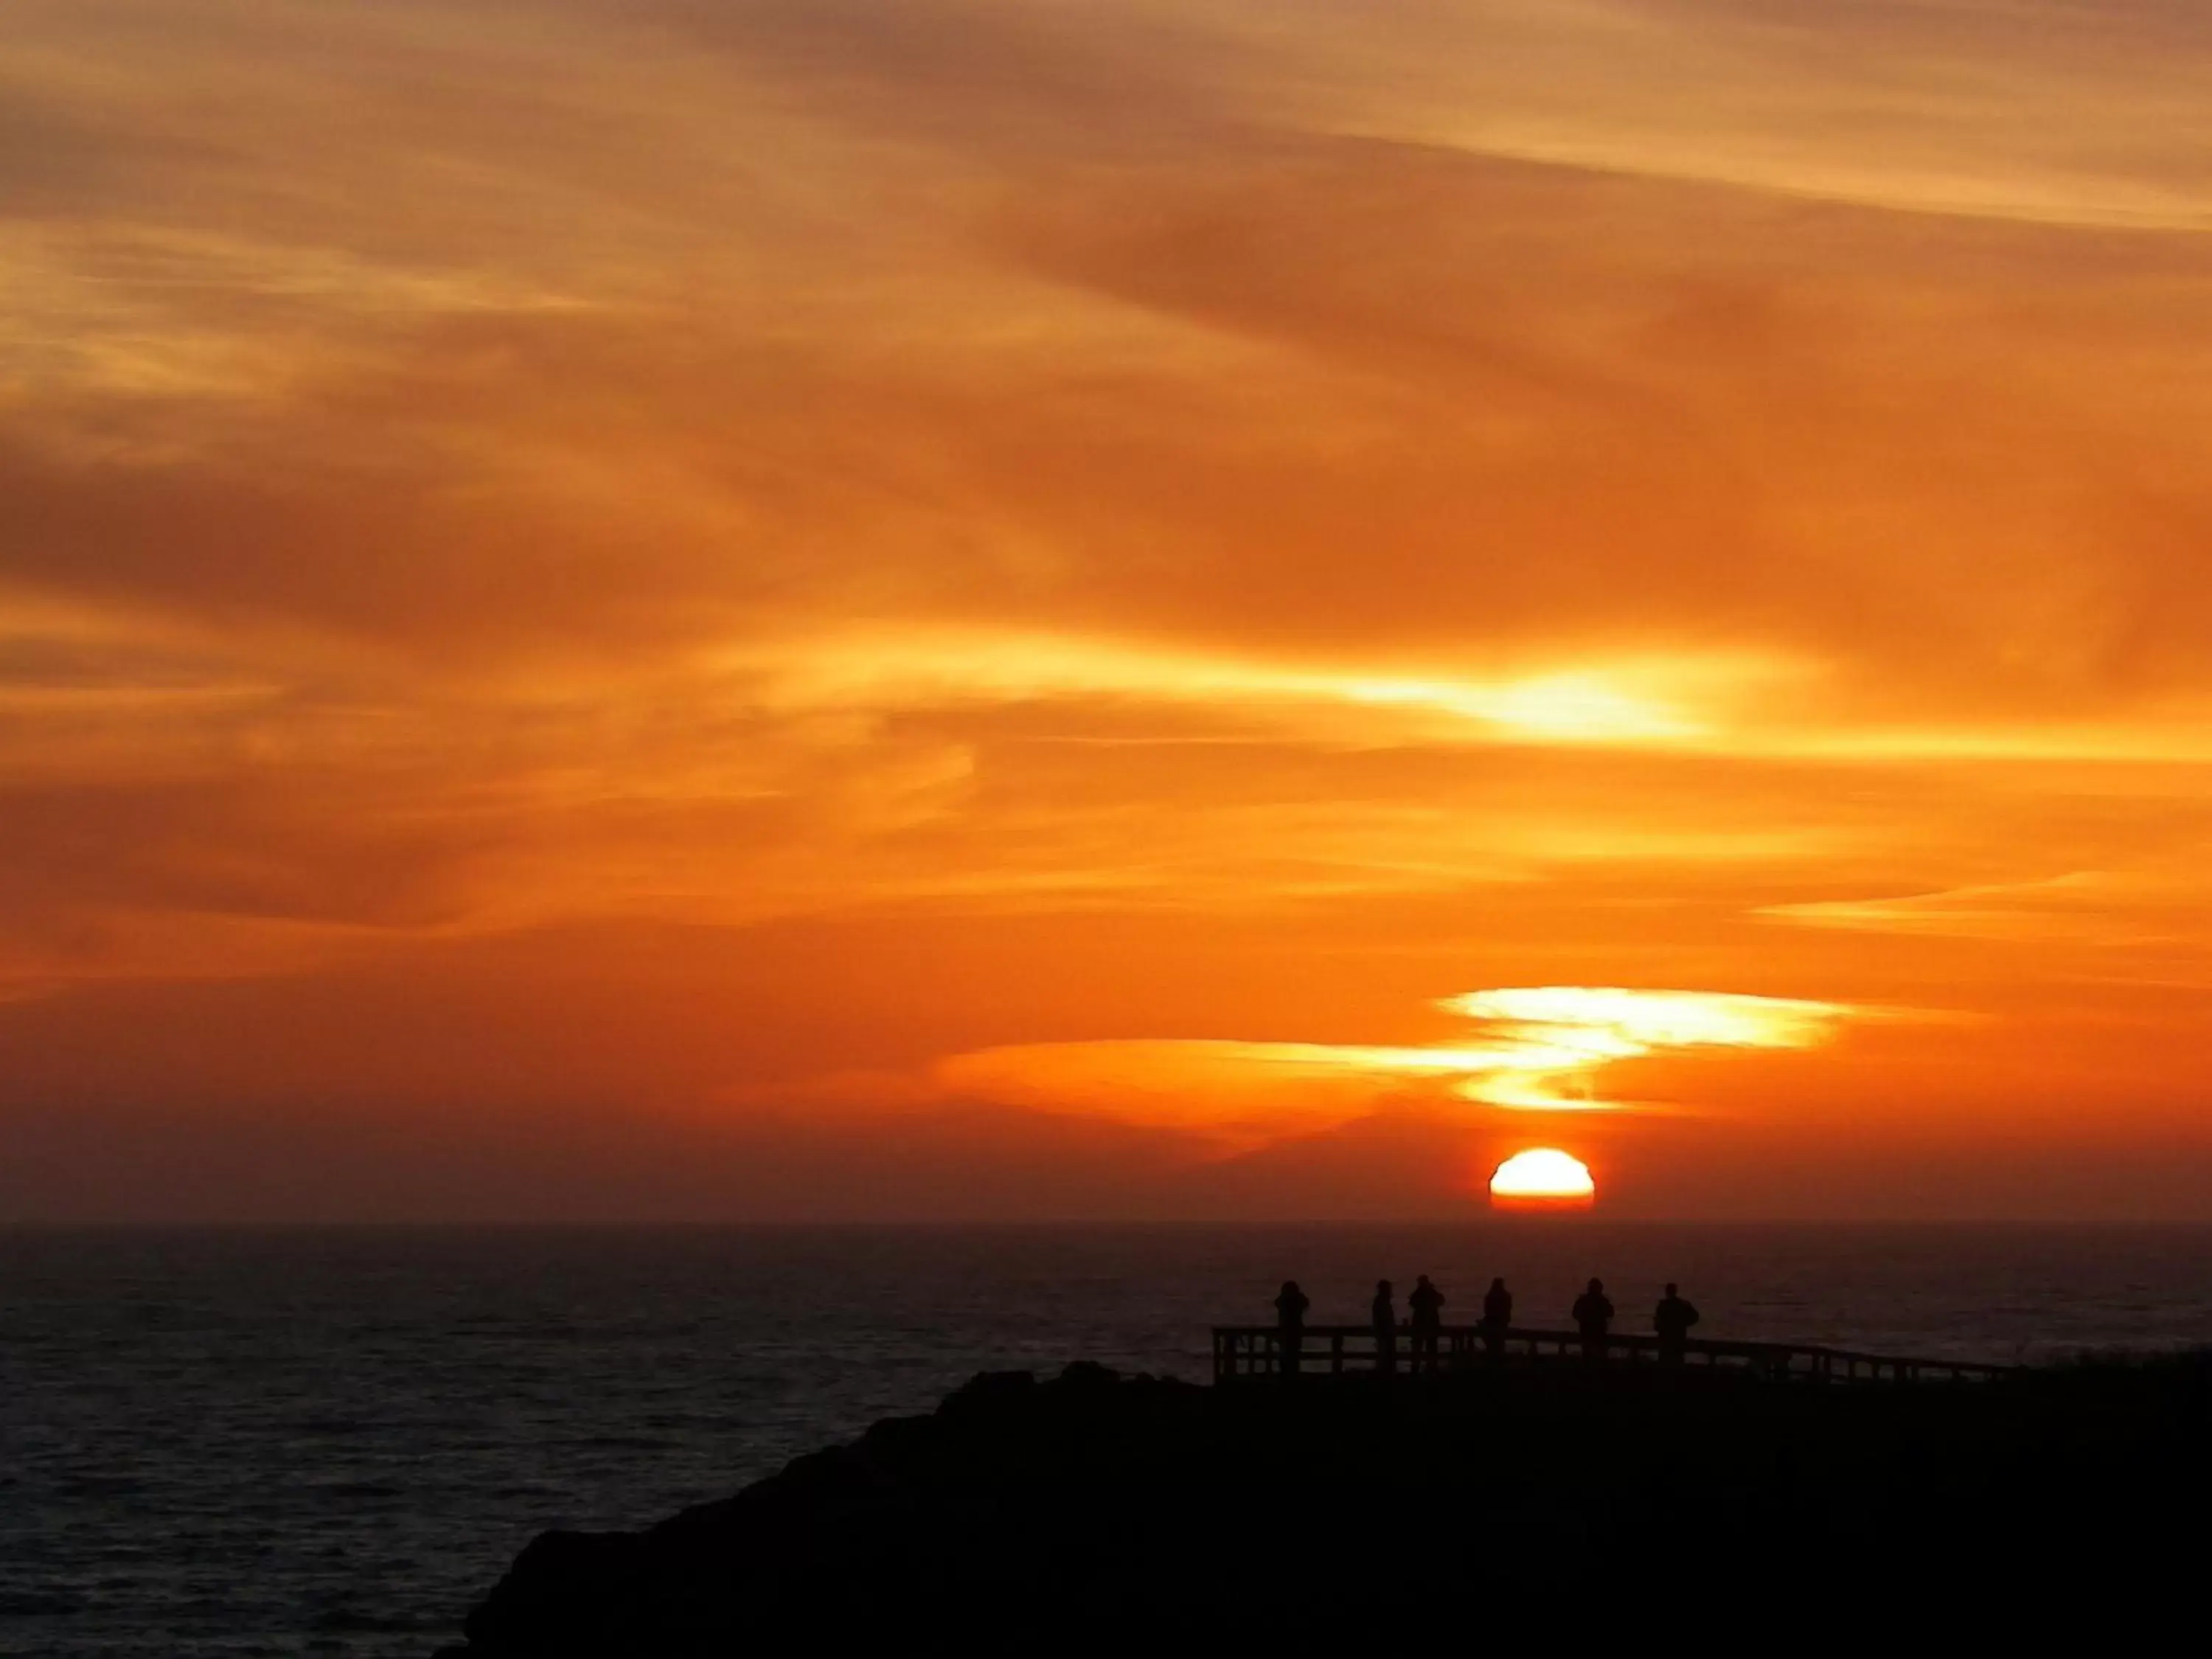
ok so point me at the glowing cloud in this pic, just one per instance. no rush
(1628, 702)
(1552, 1037)
(1242, 1094)
(1539, 1049)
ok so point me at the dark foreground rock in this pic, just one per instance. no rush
(1094, 1512)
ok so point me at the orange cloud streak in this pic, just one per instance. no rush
(1537, 1048)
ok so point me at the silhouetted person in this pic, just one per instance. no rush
(1672, 1319)
(1497, 1317)
(1593, 1313)
(1384, 1313)
(1290, 1305)
(1427, 1303)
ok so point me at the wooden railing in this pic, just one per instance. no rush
(1251, 1351)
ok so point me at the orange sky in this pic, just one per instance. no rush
(937, 608)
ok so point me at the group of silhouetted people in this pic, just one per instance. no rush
(1593, 1314)
(1426, 1305)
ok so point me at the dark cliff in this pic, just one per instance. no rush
(1096, 1512)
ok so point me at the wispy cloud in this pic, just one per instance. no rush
(1555, 1038)
(1654, 700)
(1532, 1048)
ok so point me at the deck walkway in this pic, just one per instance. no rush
(1245, 1351)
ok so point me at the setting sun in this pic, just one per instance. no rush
(1543, 1178)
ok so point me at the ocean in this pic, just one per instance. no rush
(332, 1442)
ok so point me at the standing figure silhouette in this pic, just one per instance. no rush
(1290, 1305)
(1384, 1313)
(1593, 1314)
(1672, 1319)
(1497, 1318)
(1427, 1303)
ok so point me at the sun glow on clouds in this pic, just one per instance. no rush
(1538, 1049)
(1631, 701)
(1547, 1042)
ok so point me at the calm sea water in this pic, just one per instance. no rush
(331, 1443)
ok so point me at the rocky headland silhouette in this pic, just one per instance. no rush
(1096, 1510)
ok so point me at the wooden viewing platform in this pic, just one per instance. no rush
(1243, 1352)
